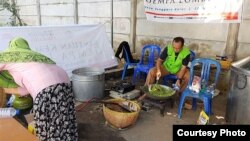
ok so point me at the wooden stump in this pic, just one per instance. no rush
(2, 98)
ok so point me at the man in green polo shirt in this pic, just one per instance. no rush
(173, 60)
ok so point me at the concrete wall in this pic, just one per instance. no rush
(243, 47)
(61, 12)
(28, 11)
(206, 40)
(53, 12)
(100, 12)
(4, 17)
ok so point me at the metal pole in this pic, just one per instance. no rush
(75, 11)
(133, 23)
(111, 9)
(14, 17)
(38, 12)
(232, 39)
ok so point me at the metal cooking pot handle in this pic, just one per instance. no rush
(241, 78)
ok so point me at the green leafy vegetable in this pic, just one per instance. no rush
(159, 91)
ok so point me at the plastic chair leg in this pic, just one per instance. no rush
(134, 76)
(211, 112)
(138, 74)
(124, 71)
(207, 105)
(182, 99)
(194, 105)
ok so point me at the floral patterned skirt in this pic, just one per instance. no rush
(54, 114)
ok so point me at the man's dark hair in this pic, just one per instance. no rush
(179, 39)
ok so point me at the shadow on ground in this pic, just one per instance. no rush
(92, 127)
(96, 132)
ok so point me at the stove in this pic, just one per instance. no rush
(161, 104)
(123, 87)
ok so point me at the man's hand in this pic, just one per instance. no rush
(178, 83)
(158, 74)
(158, 70)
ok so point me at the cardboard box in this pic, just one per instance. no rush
(11, 130)
(2, 98)
(31, 123)
(225, 64)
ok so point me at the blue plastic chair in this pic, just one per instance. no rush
(205, 96)
(173, 77)
(127, 63)
(149, 63)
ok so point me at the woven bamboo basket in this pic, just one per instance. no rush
(2, 98)
(120, 120)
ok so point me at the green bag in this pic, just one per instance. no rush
(6, 80)
(22, 103)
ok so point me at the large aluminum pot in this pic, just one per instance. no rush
(238, 101)
(88, 83)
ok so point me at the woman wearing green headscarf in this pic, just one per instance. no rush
(22, 72)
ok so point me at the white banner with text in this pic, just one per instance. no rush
(194, 11)
(71, 47)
